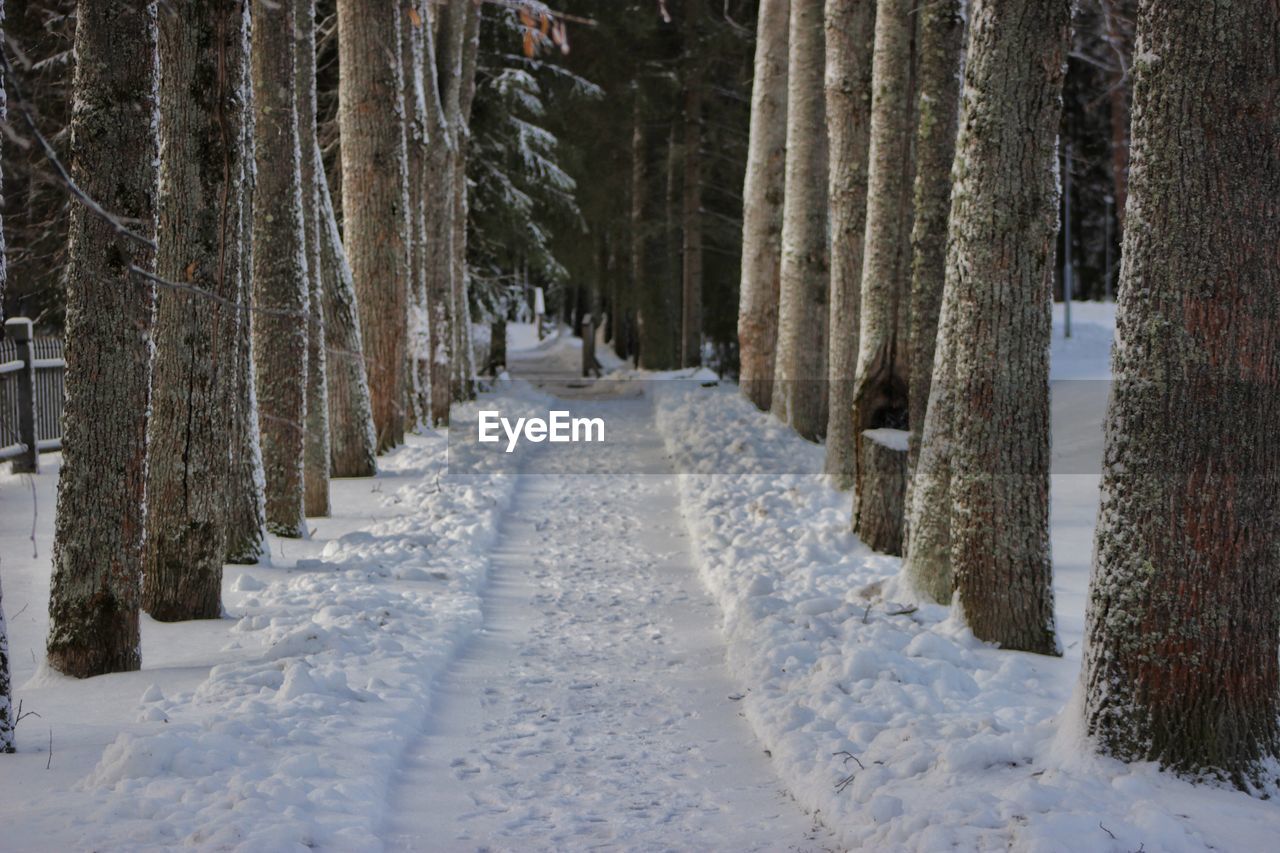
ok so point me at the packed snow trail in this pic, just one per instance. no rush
(594, 710)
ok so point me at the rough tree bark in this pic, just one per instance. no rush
(98, 534)
(691, 191)
(280, 281)
(413, 26)
(880, 380)
(799, 392)
(762, 195)
(937, 113)
(657, 332)
(6, 694)
(1004, 217)
(463, 363)
(353, 445)
(850, 30)
(374, 198)
(1119, 16)
(202, 168)
(246, 522)
(315, 456)
(1182, 626)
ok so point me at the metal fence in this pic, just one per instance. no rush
(31, 395)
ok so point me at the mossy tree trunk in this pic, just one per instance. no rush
(1182, 625)
(762, 195)
(202, 169)
(375, 198)
(96, 587)
(1004, 216)
(280, 279)
(799, 392)
(850, 27)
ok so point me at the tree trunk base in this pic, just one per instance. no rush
(882, 468)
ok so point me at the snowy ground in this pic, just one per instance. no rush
(466, 657)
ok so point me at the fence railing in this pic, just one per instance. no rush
(31, 395)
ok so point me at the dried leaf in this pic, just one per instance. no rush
(414, 17)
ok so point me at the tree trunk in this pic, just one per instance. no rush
(880, 384)
(374, 198)
(98, 533)
(352, 443)
(850, 30)
(691, 185)
(246, 522)
(202, 167)
(762, 195)
(1004, 216)
(1182, 625)
(799, 393)
(280, 282)
(6, 693)
(1119, 20)
(938, 105)
(658, 337)
(316, 444)
(882, 463)
(464, 367)
(413, 24)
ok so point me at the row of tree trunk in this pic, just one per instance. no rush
(936, 299)
(283, 349)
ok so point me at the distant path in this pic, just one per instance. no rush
(594, 709)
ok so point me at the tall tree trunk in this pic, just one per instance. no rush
(245, 529)
(464, 368)
(1182, 626)
(691, 187)
(762, 195)
(413, 26)
(650, 256)
(937, 111)
(316, 445)
(202, 167)
(880, 383)
(850, 31)
(280, 281)
(375, 198)
(1004, 215)
(98, 534)
(1119, 22)
(352, 442)
(799, 393)
(6, 693)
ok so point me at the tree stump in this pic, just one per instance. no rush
(882, 468)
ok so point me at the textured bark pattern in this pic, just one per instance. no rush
(691, 191)
(245, 514)
(650, 219)
(762, 206)
(883, 465)
(463, 364)
(413, 24)
(6, 695)
(374, 187)
(1119, 18)
(1182, 625)
(352, 443)
(98, 535)
(315, 456)
(799, 393)
(850, 38)
(880, 384)
(280, 282)
(1003, 223)
(202, 168)
(937, 109)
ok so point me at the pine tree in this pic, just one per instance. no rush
(762, 195)
(202, 166)
(280, 279)
(1181, 632)
(98, 532)
(880, 380)
(850, 28)
(375, 198)
(1000, 261)
(799, 393)
(315, 454)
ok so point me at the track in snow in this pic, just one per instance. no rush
(593, 711)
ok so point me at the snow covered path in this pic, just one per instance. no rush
(594, 710)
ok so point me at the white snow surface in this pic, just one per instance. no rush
(685, 649)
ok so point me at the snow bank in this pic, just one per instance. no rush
(891, 723)
(293, 743)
